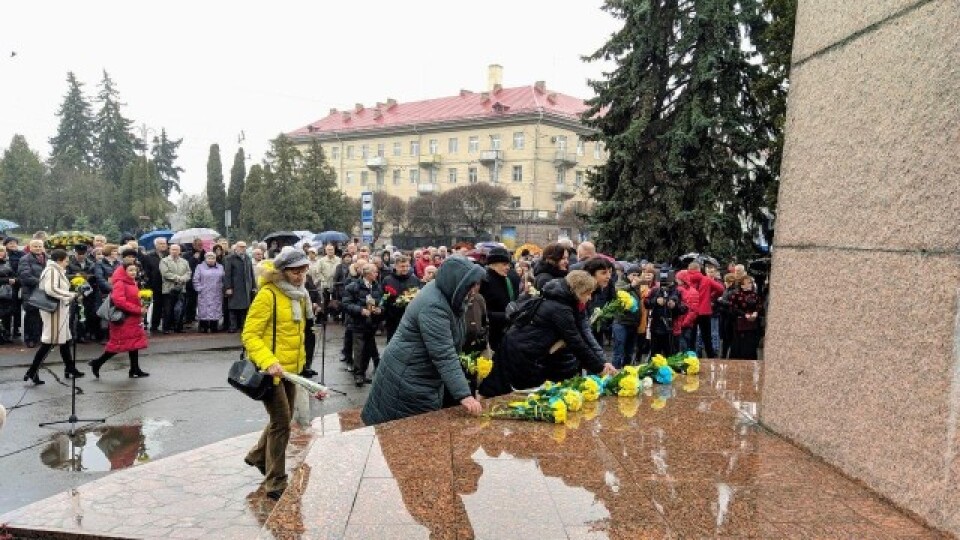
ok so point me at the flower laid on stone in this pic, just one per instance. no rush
(623, 303)
(623, 384)
(476, 364)
(536, 407)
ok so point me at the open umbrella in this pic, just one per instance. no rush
(68, 239)
(6, 225)
(187, 236)
(328, 237)
(282, 238)
(146, 240)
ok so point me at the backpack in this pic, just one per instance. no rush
(521, 311)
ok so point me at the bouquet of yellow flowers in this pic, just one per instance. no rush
(536, 407)
(624, 384)
(78, 281)
(623, 303)
(146, 297)
(407, 296)
(476, 364)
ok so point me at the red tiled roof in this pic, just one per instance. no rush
(467, 105)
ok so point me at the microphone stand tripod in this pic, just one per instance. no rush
(74, 390)
(322, 323)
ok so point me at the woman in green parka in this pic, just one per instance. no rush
(423, 356)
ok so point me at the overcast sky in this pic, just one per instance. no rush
(207, 70)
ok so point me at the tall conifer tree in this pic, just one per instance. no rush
(216, 191)
(235, 190)
(22, 179)
(164, 153)
(326, 200)
(116, 145)
(684, 129)
(73, 145)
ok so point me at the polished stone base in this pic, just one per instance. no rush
(685, 461)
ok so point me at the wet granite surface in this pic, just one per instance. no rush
(683, 461)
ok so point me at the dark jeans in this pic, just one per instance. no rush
(237, 318)
(32, 325)
(624, 344)
(643, 347)
(704, 325)
(364, 350)
(190, 309)
(270, 450)
(309, 344)
(661, 344)
(688, 339)
(173, 312)
(159, 308)
(347, 351)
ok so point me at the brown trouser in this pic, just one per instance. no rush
(271, 449)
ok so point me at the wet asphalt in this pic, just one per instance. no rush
(186, 403)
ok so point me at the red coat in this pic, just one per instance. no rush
(709, 290)
(128, 334)
(690, 297)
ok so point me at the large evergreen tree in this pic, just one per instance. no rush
(73, 145)
(115, 144)
(145, 204)
(684, 129)
(326, 199)
(164, 153)
(253, 202)
(290, 204)
(216, 191)
(235, 191)
(22, 179)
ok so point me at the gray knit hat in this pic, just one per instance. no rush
(290, 257)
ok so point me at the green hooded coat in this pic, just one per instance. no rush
(423, 356)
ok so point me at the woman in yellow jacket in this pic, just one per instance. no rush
(282, 301)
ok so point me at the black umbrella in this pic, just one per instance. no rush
(683, 260)
(282, 238)
(706, 259)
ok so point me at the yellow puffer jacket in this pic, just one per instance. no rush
(257, 334)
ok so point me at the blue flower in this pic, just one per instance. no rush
(663, 375)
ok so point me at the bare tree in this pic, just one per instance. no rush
(391, 210)
(480, 206)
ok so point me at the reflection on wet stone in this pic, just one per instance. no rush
(686, 460)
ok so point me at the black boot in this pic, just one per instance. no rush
(70, 367)
(135, 371)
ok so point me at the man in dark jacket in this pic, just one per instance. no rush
(498, 289)
(664, 305)
(401, 279)
(239, 285)
(151, 267)
(361, 299)
(423, 357)
(82, 264)
(603, 271)
(553, 264)
(14, 254)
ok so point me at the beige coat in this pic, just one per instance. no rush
(56, 325)
(328, 268)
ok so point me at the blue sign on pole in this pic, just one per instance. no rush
(366, 216)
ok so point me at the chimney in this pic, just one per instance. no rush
(358, 107)
(345, 116)
(552, 98)
(391, 103)
(333, 111)
(379, 105)
(465, 93)
(484, 97)
(494, 77)
(540, 87)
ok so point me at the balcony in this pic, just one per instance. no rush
(490, 157)
(519, 215)
(424, 189)
(563, 192)
(564, 159)
(428, 161)
(377, 163)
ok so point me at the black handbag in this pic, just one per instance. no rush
(246, 377)
(39, 299)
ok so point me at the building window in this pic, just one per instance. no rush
(453, 145)
(350, 152)
(363, 178)
(578, 178)
(396, 177)
(335, 153)
(561, 176)
(580, 147)
(414, 148)
(518, 173)
(414, 176)
(518, 140)
(596, 150)
(473, 145)
(561, 142)
(381, 150)
(380, 178)
(434, 146)
(472, 175)
(494, 142)
(349, 178)
(515, 202)
(452, 175)
(397, 149)
(432, 175)
(364, 151)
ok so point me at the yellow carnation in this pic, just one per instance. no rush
(590, 390)
(559, 411)
(77, 281)
(693, 365)
(484, 366)
(145, 294)
(573, 399)
(629, 386)
(659, 361)
(632, 370)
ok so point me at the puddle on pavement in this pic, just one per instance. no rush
(104, 448)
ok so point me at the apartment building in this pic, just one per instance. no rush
(527, 139)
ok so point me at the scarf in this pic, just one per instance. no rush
(295, 294)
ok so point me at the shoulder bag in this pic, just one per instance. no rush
(109, 312)
(246, 377)
(39, 299)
